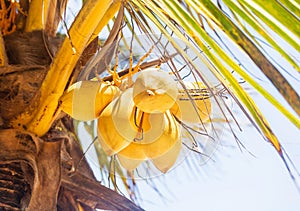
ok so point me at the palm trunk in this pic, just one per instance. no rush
(37, 173)
(15, 189)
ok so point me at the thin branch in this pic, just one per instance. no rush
(144, 65)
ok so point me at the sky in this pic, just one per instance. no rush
(254, 178)
(234, 180)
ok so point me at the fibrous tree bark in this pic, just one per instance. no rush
(45, 172)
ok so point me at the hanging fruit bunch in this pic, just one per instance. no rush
(139, 123)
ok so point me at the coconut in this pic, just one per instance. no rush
(154, 91)
(85, 100)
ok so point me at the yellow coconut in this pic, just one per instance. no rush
(140, 150)
(171, 134)
(109, 135)
(154, 91)
(132, 122)
(192, 110)
(109, 138)
(85, 100)
(167, 160)
(134, 151)
(130, 157)
(129, 164)
(121, 123)
(163, 150)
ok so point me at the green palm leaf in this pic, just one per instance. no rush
(170, 12)
(199, 25)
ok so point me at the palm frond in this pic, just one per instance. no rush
(199, 41)
(178, 18)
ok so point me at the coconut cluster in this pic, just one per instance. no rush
(139, 126)
(142, 122)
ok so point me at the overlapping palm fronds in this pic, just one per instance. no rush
(211, 30)
(197, 39)
(215, 27)
(213, 34)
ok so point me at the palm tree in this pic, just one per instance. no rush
(42, 164)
